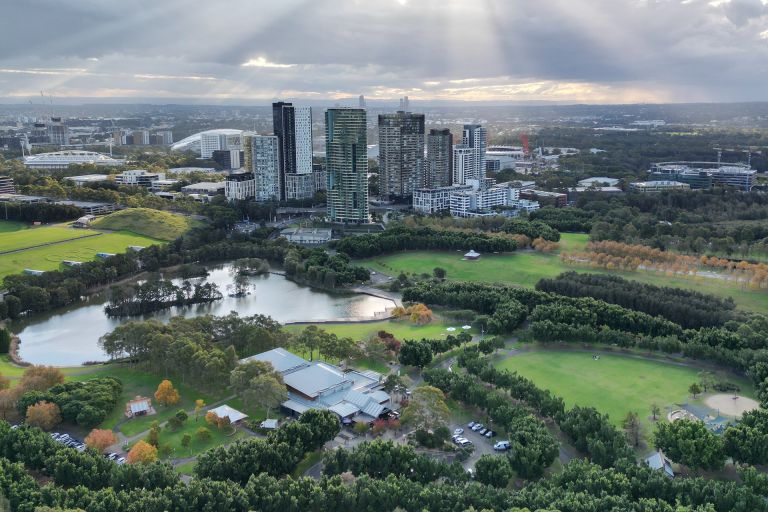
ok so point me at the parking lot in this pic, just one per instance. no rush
(482, 445)
(77, 444)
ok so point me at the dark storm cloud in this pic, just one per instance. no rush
(595, 50)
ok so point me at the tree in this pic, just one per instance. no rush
(309, 339)
(267, 391)
(655, 410)
(426, 409)
(694, 389)
(45, 415)
(493, 470)
(153, 437)
(241, 376)
(181, 415)
(142, 453)
(631, 425)
(439, 272)
(5, 339)
(203, 434)
(199, 404)
(41, 378)
(166, 394)
(211, 418)
(100, 439)
(186, 439)
(689, 442)
(707, 380)
(415, 353)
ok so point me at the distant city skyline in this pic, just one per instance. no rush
(564, 51)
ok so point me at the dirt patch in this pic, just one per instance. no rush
(731, 405)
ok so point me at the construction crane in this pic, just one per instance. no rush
(526, 146)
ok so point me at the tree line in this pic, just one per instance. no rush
(402, 238)
(579, 487)
(688, 308)
(154, 295)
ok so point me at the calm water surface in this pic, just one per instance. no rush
(69, 336)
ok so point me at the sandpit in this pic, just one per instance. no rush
(731, 405)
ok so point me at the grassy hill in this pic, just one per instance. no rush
(147, 222)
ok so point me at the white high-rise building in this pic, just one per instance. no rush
(262, 158)
(474, 136)
(213, 140)
(463, 164)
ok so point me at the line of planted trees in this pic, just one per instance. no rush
(688, 308)
(137, 299)
(403, 238)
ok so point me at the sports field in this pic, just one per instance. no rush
(525, 268)
(67, 244)
(613, 384)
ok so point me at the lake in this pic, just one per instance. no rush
(69, 336)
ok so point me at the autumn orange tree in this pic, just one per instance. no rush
(199, 404)
(100, 439)
(166, 394)
(41, 378)
(45, 415)
(142, 453)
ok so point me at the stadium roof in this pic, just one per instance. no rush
(61, 159)
(192, 143)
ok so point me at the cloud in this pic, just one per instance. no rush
(261, 62)
(591, 50)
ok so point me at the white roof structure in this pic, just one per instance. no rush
(225, 411)
(598, 181)
(62, 159)
(472, 254)
(270, 424)
(192, 143)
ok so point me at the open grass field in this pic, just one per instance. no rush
(196, 446)
(24, 238)
(400, 329)
(50, 257)
(147, 222)
(139, 383)
(525, 268)
(9, 226)
(614, 384)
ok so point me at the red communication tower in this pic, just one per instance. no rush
(526, 147)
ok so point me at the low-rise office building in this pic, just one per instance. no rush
(6, 185)
(23, 199)
(88, 179)
(138, 177)
(703, 175)
(658, 186)
(91, 207)
(307, 236)
(434, 200)
(207, 188)
(599, 181)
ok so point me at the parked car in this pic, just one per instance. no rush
(490, 434)
(121, 461)
(482, 431)
(477, 427)
(463, 442)
(501, 446)
(458, 431)
(471, 424)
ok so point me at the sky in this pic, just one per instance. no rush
(568, 51)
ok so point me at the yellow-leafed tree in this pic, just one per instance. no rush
(166, 394)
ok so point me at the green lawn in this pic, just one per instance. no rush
(50, 258)
(35, 236)
(614, 384)
(218, 438)
(10, 370)
(525, 268)
(401, 329)
(147, 222)
(139, 383)
(9, 226)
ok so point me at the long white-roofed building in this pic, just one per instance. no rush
(63, 159)
(209, 141)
